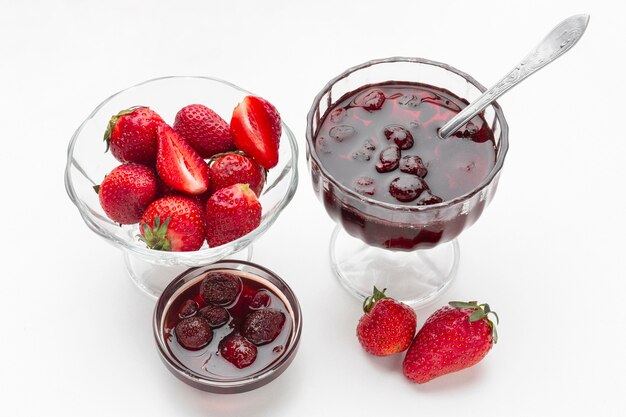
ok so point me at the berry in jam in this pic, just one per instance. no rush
(238, 350)
(216, 316)
(389, 159)
(193, 333)
(220, 288)
(188, 309)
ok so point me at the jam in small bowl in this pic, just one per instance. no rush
(228, 327)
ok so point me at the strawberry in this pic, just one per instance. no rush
(453, 338)
(126, 192)
(231, 213)
(165, 190)
(188, 309)
(261, 299)
(216, 316)
(237, 350)
(204, 130)
(387, 327)
(255, 124)
(173, 223)
(263, 326)
(220, 288)
(193, 333)
(178, 165)
(234, 168)
(131, 135)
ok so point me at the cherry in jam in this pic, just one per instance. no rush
(242, 325)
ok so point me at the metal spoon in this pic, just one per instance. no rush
(560, 40)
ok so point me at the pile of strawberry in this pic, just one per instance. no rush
(194, 181)
(453, 338)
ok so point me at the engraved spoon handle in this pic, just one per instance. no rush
(560, 40)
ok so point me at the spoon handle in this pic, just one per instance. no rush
(560, 40)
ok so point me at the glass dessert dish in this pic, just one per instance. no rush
(205, 368)
(407, 245)
(87, 164)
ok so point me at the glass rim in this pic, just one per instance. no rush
(502, 148)
(180, 257)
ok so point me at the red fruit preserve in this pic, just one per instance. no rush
(381, 142)
(228, 324)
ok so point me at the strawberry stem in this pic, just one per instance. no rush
(113, 121)
(376, 296)
(479, 312)
(156, 237)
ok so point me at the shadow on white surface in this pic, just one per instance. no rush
(267, 400)
(387, 364)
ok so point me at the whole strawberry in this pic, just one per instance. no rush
(231, 213)
(255, 125)
(234, 168)
(174, 223)
(453, 338)
(178, 165)
(204, 130)
(126, 192)
(131, 135)
(387, 327)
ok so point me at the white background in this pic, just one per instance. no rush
(548, 253)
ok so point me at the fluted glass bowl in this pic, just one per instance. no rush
(409, 249)
(87, 164)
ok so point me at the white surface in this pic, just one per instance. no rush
(548, 254)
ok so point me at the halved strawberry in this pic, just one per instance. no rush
(256, 127)
(178, 165)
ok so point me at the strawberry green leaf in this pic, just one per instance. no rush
(478, 314)
(377, 295)
(156, 237)
(463, 304)
(113, 121)
(496, 316)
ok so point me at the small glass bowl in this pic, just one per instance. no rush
(411, 250)
(228, 385)
(87, 164)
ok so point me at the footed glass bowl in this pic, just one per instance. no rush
(410, 250)
(87, 164)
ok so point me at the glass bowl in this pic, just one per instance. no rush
(241, 381)
(411, 250)
(87, 164)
